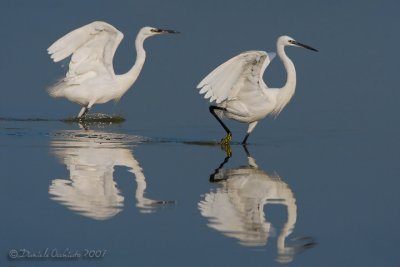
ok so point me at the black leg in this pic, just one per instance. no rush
(212, 110)
(245, 139)
(214, 177)
(246, 150)
(227, 139)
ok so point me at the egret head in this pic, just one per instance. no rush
(289, 41)
(151, 31)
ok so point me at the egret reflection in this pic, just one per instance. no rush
(91, 157)
(236, 207)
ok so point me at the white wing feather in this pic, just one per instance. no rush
(228, 79)
(92, 47)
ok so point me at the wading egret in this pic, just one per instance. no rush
(239, 91)
(91, 79)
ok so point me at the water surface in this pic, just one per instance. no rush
(317, 186)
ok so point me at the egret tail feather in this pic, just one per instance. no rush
(57, 90)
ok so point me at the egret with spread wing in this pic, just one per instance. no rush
(91, 78)
(239, 91)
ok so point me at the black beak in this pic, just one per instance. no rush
(305, 46)
(166, 31)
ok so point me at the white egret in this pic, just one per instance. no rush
(91, 78)
(240, 93)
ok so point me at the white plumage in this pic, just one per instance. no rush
(239, 73)
(91, 78)
(239, 91)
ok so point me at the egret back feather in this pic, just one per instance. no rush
(224, 83)
(92, 47)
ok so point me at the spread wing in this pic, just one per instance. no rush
(92, 47)
(242, 72)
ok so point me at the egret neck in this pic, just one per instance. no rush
(126, 80)
(287, 91)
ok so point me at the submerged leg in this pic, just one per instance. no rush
(252, 125)
(218, 175)
(228, 136)
(246, 150)
(83, 112)
(227, 148)
(251, 161)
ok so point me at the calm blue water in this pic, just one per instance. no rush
(318, 186)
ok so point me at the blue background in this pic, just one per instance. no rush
(336, 144)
